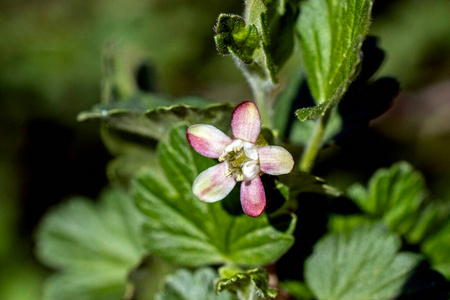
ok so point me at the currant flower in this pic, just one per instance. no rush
(241, 159)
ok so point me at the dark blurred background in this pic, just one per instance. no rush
(50, 69)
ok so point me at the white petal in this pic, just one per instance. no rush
(275, 160)
(212, 184)
(207, 140)
(250, 170)
(251, 151)
(235, 145)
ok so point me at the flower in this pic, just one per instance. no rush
(241, 159)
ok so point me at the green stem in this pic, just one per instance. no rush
(262, 101)
(261, 88)
(313, 147)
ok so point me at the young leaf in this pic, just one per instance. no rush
(394, 195)
(364, 264)
(262, 39)
(92, 247)
(250, 285)
(186, 231)
(331, 35)
(186, 285)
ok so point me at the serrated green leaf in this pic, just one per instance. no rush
(364, 264)
(303, 131)
(393, 195)
(154, 122)
(250, 285)
(206, 233)
(164, 118)
(92, 247)
(186, 285)
(331, 34)
(312, 113)
(129, 130)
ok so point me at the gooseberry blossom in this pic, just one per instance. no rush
(241, 159)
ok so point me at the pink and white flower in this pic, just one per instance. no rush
(241, 159)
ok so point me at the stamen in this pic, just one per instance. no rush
(242, 160)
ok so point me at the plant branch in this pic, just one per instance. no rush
(312, 149)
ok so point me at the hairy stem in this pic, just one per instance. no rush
(261, 87)
(312, 149)
(262, 101)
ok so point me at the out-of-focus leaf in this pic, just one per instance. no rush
(428, 220)
(397, 196)
(393, 194)
(186, 285)
(364, 264)
(437, 248)
(206, 233)
(131, 155)
(297, 289)
(92, 247)
(164, 118)
(331, 35)
(121, 170)
(250, 285)
(346, 223)
(154, 122)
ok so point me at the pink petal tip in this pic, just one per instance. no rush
(246, 122)
(253, 197)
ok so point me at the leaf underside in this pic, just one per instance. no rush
(331, 35)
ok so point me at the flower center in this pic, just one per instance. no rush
(242, 160)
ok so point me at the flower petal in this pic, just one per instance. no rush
(275, 160)
(250, 170)
(253, 198)
(251, 151)
(246, 122)
(207, 140)
(212, 185)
